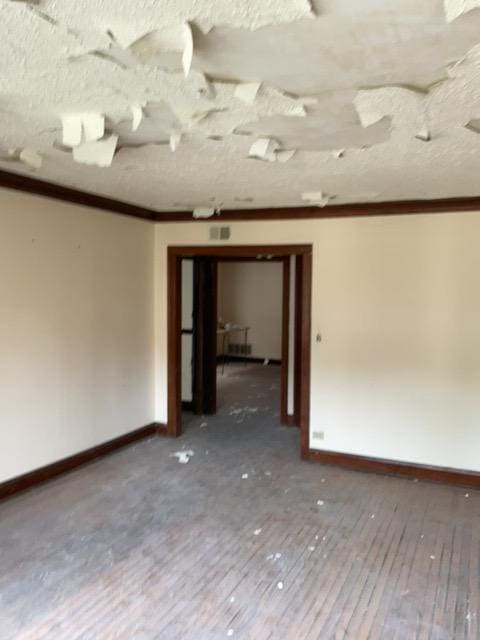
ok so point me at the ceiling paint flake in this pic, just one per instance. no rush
(456, 8)
(247, 91)
(285, 155)
(137, 115)
(473, 125)
(204, 212)
(79, 127)
(264, 149)
(170, 47)
(317, 198)
(407, 108)
(424, 135)
(93, 125)
(174, 140)
(31, 158)
(297, 112)
(96, 152)
(187, 50)
(72, 130)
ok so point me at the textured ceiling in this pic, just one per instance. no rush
(284, 102)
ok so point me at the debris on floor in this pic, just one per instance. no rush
(244, 476)
(241, 410)
(320, 503)
(257, 532)
(183, 456)
(280, 585)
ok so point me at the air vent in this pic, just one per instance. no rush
(239, 349)
(219, 233)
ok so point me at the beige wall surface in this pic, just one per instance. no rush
(250, 294)
(76, 329)
(397, 301)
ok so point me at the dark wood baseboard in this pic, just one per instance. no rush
(445, 475)
(248, 359)
(38, 476)
(161, 429)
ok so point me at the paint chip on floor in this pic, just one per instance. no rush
(280, 585)
(257, 532)
(320, 503)
(183, 456)
(244, 476)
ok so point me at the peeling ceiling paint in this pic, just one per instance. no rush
(209, 104)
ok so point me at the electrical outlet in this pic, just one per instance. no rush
(318, 435)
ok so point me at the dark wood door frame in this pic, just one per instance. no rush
(204, 335)
(303, 255)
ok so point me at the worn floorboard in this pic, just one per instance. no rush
(139, 546)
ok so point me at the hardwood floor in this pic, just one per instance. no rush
(139, 546)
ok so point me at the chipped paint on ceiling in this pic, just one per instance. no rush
(191, 104)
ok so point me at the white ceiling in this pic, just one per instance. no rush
(374, 96)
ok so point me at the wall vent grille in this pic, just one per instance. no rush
(239, 349)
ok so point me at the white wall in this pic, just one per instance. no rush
(76, 329)
(397, 301)
(187, 323)
(250, 294)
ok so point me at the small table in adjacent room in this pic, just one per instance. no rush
(225, 333)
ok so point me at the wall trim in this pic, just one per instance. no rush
(27, 184)
(50, 471)
(383, 466)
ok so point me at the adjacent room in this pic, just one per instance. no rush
(239, 320)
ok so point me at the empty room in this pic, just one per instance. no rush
(240, 320)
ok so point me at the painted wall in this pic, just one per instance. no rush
(76, 329)
(187, 323)
(397, 301)
(250, 294)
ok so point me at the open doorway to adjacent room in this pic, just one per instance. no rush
(250, 297)
(239, 335)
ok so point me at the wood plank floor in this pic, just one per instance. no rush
(139, 546)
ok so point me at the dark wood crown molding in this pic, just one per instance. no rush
(37, 187)
(26, 184)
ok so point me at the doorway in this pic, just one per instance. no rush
(295, 343)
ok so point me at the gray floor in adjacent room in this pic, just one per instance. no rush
(235, 544)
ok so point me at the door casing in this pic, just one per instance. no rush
(303, 287)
